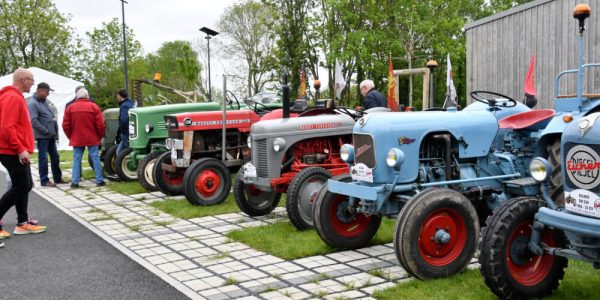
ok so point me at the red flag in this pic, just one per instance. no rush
(392, 101)
(529, 88)
(302, 88)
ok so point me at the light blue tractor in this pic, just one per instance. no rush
(441, 174)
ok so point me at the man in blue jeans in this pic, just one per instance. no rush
(125, 104)
(84, 126)
(45, 131)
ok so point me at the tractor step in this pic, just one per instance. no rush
(526, 186)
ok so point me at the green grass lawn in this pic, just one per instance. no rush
(126, 187)
(581, 281)
(183, 209)
(285, 241)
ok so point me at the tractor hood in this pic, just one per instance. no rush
(175, 108)
(374, 135)
(320, 125)
(210, 120)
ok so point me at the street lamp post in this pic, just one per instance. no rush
(209, 32)
(124, 43)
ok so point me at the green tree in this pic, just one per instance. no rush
(101, 62)
(34, 33)
(292, 27)
(248, 26)
(178, 64)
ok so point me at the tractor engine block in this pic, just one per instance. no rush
(316, 152)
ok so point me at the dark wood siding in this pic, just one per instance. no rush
(499, 49)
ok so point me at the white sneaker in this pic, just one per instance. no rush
(1, 244)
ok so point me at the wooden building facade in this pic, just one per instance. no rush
(499, 49)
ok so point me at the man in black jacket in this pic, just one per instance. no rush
(125, 104)
(373, 98)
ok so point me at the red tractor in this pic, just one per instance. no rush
(197, 164)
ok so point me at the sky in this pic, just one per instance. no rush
(153, 22)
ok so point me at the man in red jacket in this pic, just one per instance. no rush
(84, 126)
(16, 144)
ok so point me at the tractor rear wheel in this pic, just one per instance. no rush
(207, 181)
(251, 200)
(436, 233)
(170, 183)
(124, 165)
(556, 188)
(339, 225)
(510, 270)
(109, 160)
(145, 171)
(301, 195)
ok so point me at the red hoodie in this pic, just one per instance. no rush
(16, 133)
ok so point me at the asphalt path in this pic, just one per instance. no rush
(70, 262)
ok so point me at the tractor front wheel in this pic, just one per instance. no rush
(436, 233)
(556, 188)
(251, 200)
(510, 270)
(301, 195)
(206, 182)
(144, 171)
(125, 165)
(170, 183)
(338, 224)
(109, 160)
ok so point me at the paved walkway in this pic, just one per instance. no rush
(197, 258)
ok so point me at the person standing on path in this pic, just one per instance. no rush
(16, 144)
(125, 104)
(84, 126)
(45, 131)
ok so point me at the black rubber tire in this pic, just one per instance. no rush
(121, 164)
(109, 160)
(215, 171)
(169, 183)
(145, 171)
(298, 204)
(556, 179)
(421, 218)
(252, 201)
(495, 242)
(325, 221)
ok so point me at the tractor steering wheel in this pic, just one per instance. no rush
(230, 102)
(355, 115)
(264, 108)
(492, 102)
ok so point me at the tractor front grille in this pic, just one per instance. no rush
(364, 149)
(262, 161)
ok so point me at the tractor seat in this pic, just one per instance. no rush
(300, 105)
(532, 120)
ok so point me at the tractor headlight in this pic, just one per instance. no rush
(149, 128)
(249, 142)
(395, 158)
(278, 144)
(540, 169)
(347, 153)
(168, 143)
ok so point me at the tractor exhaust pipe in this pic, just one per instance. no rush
(447, 153)
(286, 95)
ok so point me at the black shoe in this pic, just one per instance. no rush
(101, 183)
(49, 184)
(59, 181)
(74, 185)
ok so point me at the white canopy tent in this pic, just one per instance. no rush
(64, 91)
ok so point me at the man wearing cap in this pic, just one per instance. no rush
(45, 131)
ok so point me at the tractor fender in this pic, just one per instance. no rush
(557, 125)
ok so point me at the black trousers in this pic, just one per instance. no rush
(22, 183)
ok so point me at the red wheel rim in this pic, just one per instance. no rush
(172, 180)
(208, 182)
(433, 251)
(351, 229)
(536, 268)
